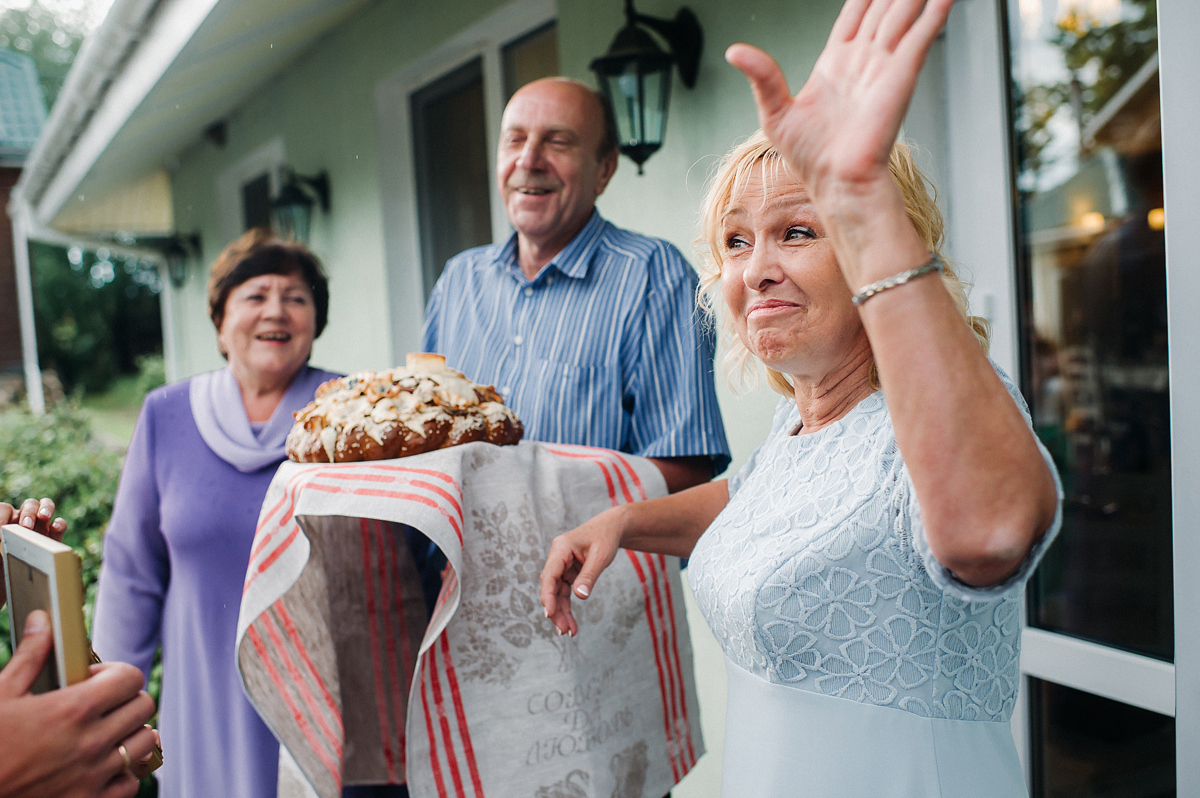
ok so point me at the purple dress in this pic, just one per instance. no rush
(175, 557)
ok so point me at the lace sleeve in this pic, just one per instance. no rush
(940, 574)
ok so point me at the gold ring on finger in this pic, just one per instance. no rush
(125, 757)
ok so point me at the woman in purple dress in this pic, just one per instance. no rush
(175, 554)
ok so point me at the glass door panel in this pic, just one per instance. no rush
(1091, 277)
(1091, 261)
(1087, 746)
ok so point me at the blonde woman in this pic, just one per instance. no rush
(863, 571)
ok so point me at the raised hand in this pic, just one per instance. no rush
(840, 128)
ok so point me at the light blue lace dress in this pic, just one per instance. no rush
(858, 664)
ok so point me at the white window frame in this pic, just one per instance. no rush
(397, 171)
(981, 233)
(1179, 70)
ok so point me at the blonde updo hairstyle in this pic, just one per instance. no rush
(731, 174)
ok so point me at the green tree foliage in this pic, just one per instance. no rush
(50, 37)
(96, 314)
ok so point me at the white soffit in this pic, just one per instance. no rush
(196, 62)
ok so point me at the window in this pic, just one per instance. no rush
(244, 190)
(256, 202)
(450, 151)
(439, 197)
(452, 147)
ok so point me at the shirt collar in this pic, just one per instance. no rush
(575, 257)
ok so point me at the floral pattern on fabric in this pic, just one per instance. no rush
(817, 576)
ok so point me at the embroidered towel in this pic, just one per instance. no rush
(334, 651)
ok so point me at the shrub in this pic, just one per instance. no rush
(152, 372)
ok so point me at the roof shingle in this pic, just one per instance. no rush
(22, 110)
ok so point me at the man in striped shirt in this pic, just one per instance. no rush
(590, 332)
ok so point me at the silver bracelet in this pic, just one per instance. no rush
(934, 265)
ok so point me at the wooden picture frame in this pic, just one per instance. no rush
(43, 574)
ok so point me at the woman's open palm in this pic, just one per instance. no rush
(841, 126)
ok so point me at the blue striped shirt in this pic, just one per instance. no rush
(603, 348)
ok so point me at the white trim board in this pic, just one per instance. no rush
(1178, 21)
(1129, 678)
(397, 173)
(980, 229)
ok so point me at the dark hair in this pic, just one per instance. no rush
(608, 143)
(259, 252)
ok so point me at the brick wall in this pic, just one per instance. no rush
(10, 323)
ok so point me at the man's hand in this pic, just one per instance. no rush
(64, 743)
(33, 515)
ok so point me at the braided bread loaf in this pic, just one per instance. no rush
(404, 411)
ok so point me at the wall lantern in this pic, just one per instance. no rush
(635, 76)
(291, 210)
(176, 251)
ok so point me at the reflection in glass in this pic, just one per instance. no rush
(1090, 206)
(1089, 746)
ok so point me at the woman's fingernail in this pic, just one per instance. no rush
(27, 522)
(547, 611)
(36, 623)
(582, 591)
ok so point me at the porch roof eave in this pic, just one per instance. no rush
(133, 100)
(116, 68)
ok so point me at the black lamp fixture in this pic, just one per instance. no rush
(291, 210)
(635, 76)
(176, 250)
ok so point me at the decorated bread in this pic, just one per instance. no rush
(380, 415)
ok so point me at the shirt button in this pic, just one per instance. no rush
(518, 340)
(506, 390)
(528, 292)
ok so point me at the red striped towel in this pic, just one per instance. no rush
(487, 701)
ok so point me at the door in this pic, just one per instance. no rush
(1056, 198)
(1092, 300)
